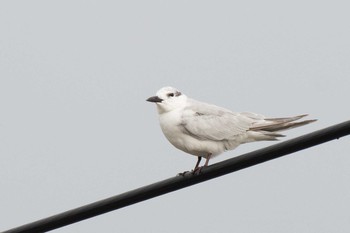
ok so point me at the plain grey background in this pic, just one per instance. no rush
(75, 127)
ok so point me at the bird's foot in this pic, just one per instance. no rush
(197, 171)
(183, 173)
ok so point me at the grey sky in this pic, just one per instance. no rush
(75, 127)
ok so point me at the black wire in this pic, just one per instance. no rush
(179, 182)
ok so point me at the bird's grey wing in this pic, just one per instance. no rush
(210, 122)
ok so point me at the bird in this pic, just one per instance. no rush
(206, 130)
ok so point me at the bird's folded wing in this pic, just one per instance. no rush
(209, 122)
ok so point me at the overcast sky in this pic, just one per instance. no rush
(75, 127)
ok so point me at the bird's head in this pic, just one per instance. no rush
(168, 99)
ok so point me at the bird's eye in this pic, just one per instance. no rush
(171, 95)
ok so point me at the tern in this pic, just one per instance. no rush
(205, 130)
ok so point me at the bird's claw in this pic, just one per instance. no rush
(183, 173)
(197, 171)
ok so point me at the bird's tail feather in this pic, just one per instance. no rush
(286, 119)
(271, 125)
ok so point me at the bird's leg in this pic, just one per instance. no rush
(207, 160)
(197, 164)
(195, 168)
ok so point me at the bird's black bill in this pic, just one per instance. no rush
(154, 99)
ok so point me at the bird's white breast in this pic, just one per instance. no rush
(170, 123)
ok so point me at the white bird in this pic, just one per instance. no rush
(206, 130)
